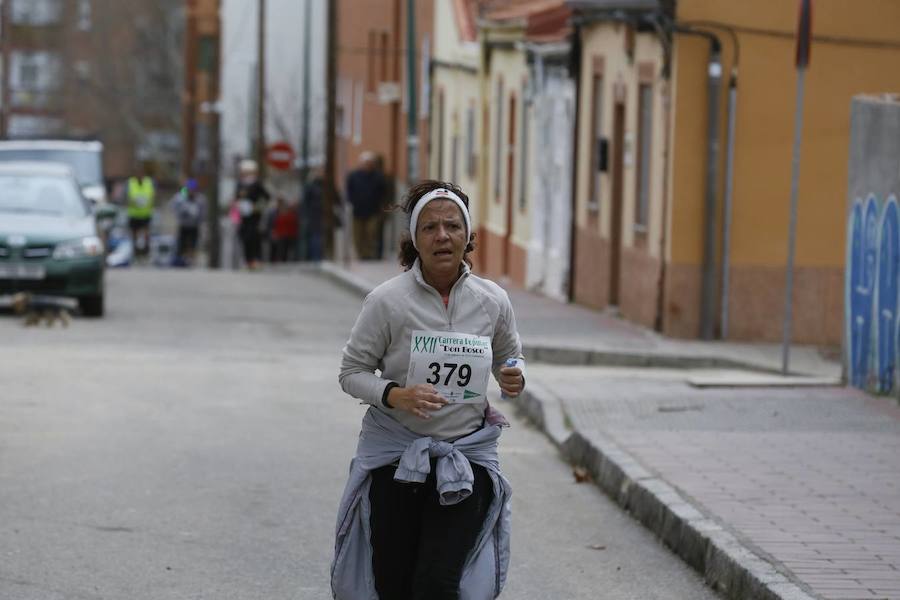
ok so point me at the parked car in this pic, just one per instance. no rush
(49, 242)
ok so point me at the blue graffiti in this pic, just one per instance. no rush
(872, 284)
(886, 296)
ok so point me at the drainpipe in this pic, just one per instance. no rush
(657, 20)
(575, 74)
(729, 189)
(714, 87)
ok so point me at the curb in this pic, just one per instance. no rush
(614, 358)
(727, 565)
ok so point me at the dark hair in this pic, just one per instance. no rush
(408, 252)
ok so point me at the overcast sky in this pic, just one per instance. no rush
(284, 73)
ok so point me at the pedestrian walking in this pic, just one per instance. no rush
(285, 226)
(141, 195)
(251, 198)
(425, 513)
(189, 205)
(313, 194)
(366, 189)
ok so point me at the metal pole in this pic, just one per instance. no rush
(707, 298)
(329, 180)
(412, 140)
(304, 140)
(792, 226)
(729, 189)
(261, 93)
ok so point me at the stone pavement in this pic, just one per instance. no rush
(770, 493)
(805, 478)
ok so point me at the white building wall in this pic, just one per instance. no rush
(550, 185)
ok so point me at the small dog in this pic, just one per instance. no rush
(40, 308)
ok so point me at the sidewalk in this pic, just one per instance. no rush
(769, 492)
(551, 330)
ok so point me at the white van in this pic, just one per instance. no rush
(84, 157)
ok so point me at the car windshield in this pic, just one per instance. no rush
(50, 195)
(85, 163)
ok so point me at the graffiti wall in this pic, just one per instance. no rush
(872, 268)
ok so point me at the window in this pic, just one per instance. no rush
(645, 138)
(36, 12)
(358, 113)
(454, 147)
(84, 15)
(498, 136)
(440, 135)
(470, 142)
(344, 117)
(206, 54)
(35, 71)
(524, 152)
(425, 78)
(384, 56)
(24, 126)
(598, 150)
(370, 63)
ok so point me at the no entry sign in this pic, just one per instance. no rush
(280, 156)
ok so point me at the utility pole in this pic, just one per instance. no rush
(189, 96)
(804, 40)
(412, 140)
(304, 139)
(261, 92)
(330, 185)
(214, 115)
(5, 30)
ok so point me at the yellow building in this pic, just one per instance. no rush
(527, 140)
(455, 97)
(641, 224)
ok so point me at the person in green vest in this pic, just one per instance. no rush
(141, 195)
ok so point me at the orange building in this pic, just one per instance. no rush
(649, 210)
(372, 90)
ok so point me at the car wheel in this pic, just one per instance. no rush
(91, 306)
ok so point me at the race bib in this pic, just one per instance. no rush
(142, 201)
(458, 365)
(245, 207)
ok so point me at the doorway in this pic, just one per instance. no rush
(618, 183)
(510, 184)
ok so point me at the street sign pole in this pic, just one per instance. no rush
(804, 39)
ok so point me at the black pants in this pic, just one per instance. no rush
(251, 239)
(419, 547)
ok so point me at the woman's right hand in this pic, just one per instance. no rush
(419, 400)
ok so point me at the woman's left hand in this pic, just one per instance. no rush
(511, 381)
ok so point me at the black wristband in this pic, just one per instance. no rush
(387, 390)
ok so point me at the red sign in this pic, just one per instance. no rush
(280, 156)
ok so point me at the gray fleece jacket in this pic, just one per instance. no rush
(380, 340)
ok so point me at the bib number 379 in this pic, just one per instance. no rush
(458, 365)
(463, 371)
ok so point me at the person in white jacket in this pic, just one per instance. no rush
(436, 333)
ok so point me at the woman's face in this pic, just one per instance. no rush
(441, 236)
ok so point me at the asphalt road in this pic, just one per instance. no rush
(194, 444)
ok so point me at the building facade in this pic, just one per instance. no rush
(104, 69)
(682, 219)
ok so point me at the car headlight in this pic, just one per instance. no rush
(80, 248)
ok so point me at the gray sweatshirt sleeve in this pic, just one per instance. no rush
(506, 343)
(364, 352)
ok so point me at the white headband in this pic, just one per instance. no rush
(438, 194)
